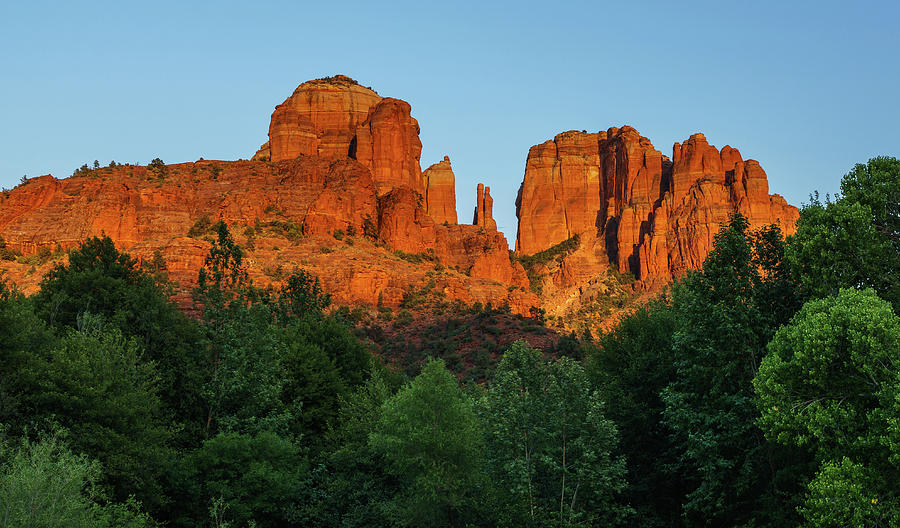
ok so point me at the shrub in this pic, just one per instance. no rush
(558, 252)
(202, 226)
(369, 229)
(404, 317)
(156, 167)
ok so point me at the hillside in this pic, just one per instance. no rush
(604, 218)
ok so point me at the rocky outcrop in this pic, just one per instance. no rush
(440, 192)
(484, 208)
(320, 118)
(287, 214)
(341, 163)
(479, 251)
(388, 144)
(338, 190)
(654, 217)
(336, 118)
(684, 223)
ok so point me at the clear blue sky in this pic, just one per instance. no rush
(807, 88)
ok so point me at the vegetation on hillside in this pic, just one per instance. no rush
(760, 390)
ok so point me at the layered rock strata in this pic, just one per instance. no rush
(336, 118)
(484, 208)
(656, 217)
(440, 192)
(340, 159)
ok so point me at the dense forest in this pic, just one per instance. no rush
(761, 390)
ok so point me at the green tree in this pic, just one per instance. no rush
(844, 493)
(311, 380)
(44, 485)
(549, 447)
(96, 384)
(255, 477)
(102, 280)
(829, 385)
(429, 436)
(829, 373)
(223, 279)
(630, 366)
(726, 314)
(352, 486)
(853, 242)
(23, 336)
(302, 295)
(243, 394)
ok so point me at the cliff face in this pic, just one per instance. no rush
(319, 118)
(440, 192)
(340, 160)
(336, 118)
(633, 207)
(338, 190)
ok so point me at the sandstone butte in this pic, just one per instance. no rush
(342, 160)
(634, 208)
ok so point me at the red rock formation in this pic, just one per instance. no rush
(440, 192)
(336, 118)
(388, 144)
(656, 217)
(286, 211)
(319, 118)
(560, 195)
(484, 208)
(686, 220)
(478, 250)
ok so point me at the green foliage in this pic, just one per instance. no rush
(725, 316)
(302, 296)
(23, 337)
(429, 436)
(353, 487)
(93, 279)
(404, 317)
(156, 167)
(853, 242)
(549, 446)
(321, 362)
(44, 485)
(6, 253)
(370, 230)
(243, 394)
(556, 252)
(829, 372)
(630, 366)
(223, 279)
(829, 385)
(275, 353)
(101, 280)
(416, 258)
(84, 170)
(417, 296)
(532, 263)
(203, 226)
(844, 493)
(96, 384)
(256, 477)
(288, 229)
